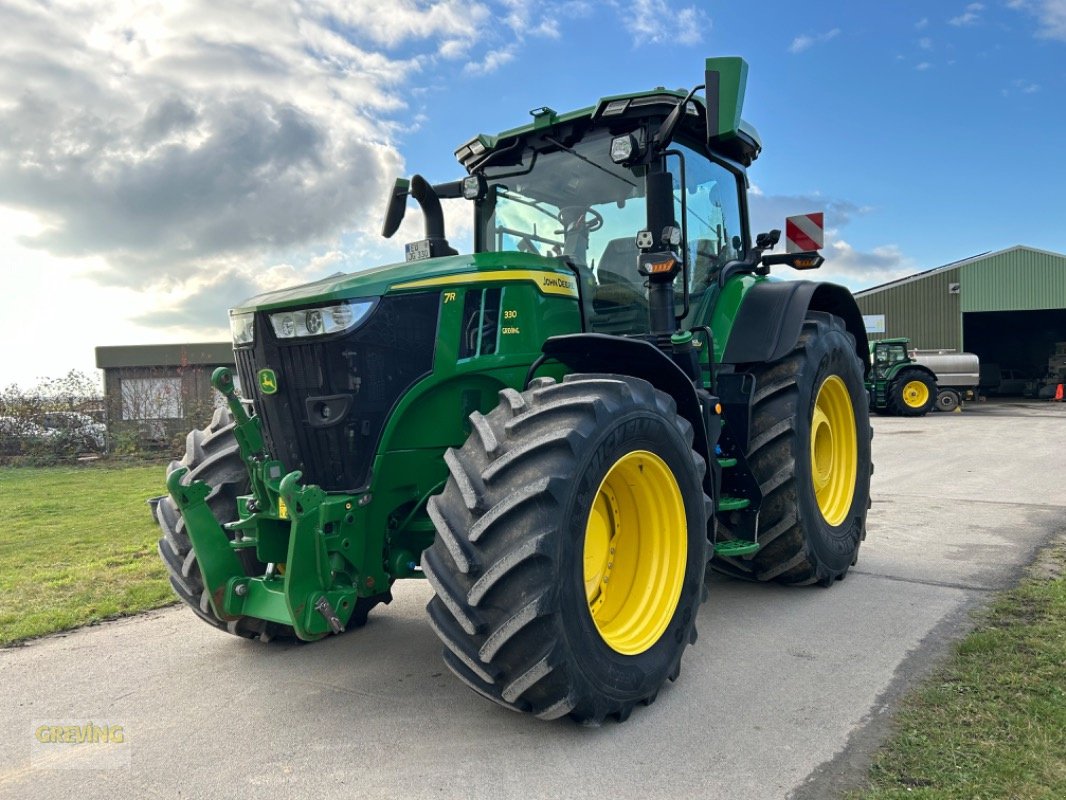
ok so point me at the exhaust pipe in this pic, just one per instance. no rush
(435, 244)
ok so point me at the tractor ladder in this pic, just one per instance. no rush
(739, 495)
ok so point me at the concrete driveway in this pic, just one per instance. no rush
(785, 692)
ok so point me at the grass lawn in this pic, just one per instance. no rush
(991, 723)
(77, 544)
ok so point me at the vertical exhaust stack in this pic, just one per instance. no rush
(435, 244)
(423, 193)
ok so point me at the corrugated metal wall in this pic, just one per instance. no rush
(923, 310)
(926, 311)
(1018, 280)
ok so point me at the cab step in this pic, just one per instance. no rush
(736, 548)
(727, 503)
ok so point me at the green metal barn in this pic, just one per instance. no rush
(1009, 307)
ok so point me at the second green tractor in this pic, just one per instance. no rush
(558, 431)
(900, 386)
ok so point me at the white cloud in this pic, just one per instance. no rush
(36, 301)
(1020, 86)
(399, 21)
(922, 24)
(506, 34)
(657, 21)
(1050, 16)
(492, 61)
(162, 160)
(768, 211)
(844, 263)
(532, 18)
(923, 66)
(162, 137)
(548, 28)
(454, 48)
(807, 41)
(971, 15)
(691, 24)
(925, 43)
(860, 269)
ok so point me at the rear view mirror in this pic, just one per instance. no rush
(767, 241)
(397, 206)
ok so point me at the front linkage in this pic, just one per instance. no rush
(306, 538)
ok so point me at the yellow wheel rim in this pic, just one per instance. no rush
(635, 552)
(834, 450)
(915, 394)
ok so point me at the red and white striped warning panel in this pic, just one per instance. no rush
(805, 233)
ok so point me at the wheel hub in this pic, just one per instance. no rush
(834, 450)
(915, 394)
(821, 449)
(635, 552)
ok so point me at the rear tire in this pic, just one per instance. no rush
(212, 456)
(912, 394)
(805, 539)
(547, 488)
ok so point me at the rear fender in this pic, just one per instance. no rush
(912, 367)
(770, 320)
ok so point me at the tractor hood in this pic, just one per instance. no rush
(552, 276)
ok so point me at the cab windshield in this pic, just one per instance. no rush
(888, 355)
(579, 204)
(572, 203)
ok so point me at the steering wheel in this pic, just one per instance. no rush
(591, 219)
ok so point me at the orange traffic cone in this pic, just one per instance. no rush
(1058, 393)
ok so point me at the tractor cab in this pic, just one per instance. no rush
(642, 195)
(589, 202)
(888, 354)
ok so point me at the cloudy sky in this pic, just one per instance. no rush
(160, 161)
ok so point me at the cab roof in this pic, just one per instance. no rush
(743, 147)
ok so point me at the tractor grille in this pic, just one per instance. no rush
(336, 393)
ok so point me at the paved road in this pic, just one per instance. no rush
(784, 692)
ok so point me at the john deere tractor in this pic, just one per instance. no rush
(899, 385)
(558, 431)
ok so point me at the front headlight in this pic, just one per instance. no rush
(242, 328)
(320, 321)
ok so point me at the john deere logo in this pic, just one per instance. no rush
(268, 381)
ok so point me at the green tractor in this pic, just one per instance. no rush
(558, 431)
(897, 384)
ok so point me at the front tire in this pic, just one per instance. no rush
(809, 449)
(571, 548)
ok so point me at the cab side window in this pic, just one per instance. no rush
(715, 235)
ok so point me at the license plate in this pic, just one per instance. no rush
(417, 251)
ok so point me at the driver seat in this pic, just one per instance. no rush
(619, 258)
(620, 294)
